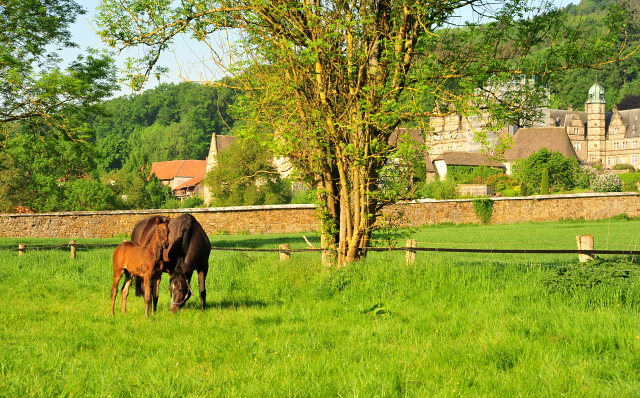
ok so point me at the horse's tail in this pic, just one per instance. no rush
(139, 288)
(187, 231)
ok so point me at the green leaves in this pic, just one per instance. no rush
(245, 176)
(561, 170)
(34, 90)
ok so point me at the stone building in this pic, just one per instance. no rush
(597, 136)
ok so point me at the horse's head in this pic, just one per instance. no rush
(162, 228)
(179, 288)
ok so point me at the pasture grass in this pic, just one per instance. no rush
(449, 325)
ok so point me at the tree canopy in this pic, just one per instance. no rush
(34, 89)
(326, 83)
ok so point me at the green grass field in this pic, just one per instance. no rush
(449, 325)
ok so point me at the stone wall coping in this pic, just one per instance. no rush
(165, 211)
(534, 197)
(302, 206)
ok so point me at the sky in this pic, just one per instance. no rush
(185, 61)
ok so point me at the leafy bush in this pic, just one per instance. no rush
(561, 169)
(471, 174)
(584, 175)
(624, 166)
(509, 192)
(607, 183)
(500, 182)
(438, 190)
(483, 209)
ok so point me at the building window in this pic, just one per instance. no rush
(634, 160)
(576, 131)
(576, 146)
(624, 145)
(634, 144)
(615, 145)
(608, 161)
(616, 130)
(617, 160)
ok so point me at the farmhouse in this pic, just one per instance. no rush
(185, 176)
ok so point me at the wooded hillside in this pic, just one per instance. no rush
(619, 79)
(172, 121)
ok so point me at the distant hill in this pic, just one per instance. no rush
(619, 80)
(172, 121)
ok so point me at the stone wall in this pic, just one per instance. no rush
(104, 224)
(299, 218)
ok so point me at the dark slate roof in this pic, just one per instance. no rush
(429, 163)
(527, 141)
(468, 159)
(224, 141)
(631, 119)
(397, 136)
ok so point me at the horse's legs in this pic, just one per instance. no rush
(114, 288)
(155, 285)
(125, 290)
(147, 294)
(202, 275)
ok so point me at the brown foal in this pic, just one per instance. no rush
(143, 261)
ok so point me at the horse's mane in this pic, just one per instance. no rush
(187, 231)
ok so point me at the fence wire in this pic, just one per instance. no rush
(439, 250)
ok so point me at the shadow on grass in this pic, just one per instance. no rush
(235, 304)
(224, 304)
(262, 242)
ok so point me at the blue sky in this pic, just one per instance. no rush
(183, 61)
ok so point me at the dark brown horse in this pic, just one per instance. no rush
(188, 251)
(142, 262)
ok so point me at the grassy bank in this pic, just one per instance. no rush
(474, 325)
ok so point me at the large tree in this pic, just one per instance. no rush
(326, 83)
(34, 89)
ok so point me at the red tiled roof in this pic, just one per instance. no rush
(166, 170)
(192, 168)
(192, 182)
(179, 168)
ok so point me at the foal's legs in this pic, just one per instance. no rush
(117, 275)
(125, 290)
(147, 294)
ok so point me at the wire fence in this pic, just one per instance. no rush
(408, 249)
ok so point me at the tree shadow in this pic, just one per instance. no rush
(194, 305)
(235, 304)
(262, 242)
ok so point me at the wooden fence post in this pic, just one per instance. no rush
(410, 255)
(284, 252)
(72, 245)
(22, 247)
(585, 242)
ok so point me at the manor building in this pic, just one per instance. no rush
(597, 136)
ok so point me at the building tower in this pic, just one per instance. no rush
(212, 161)
(596, 134)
